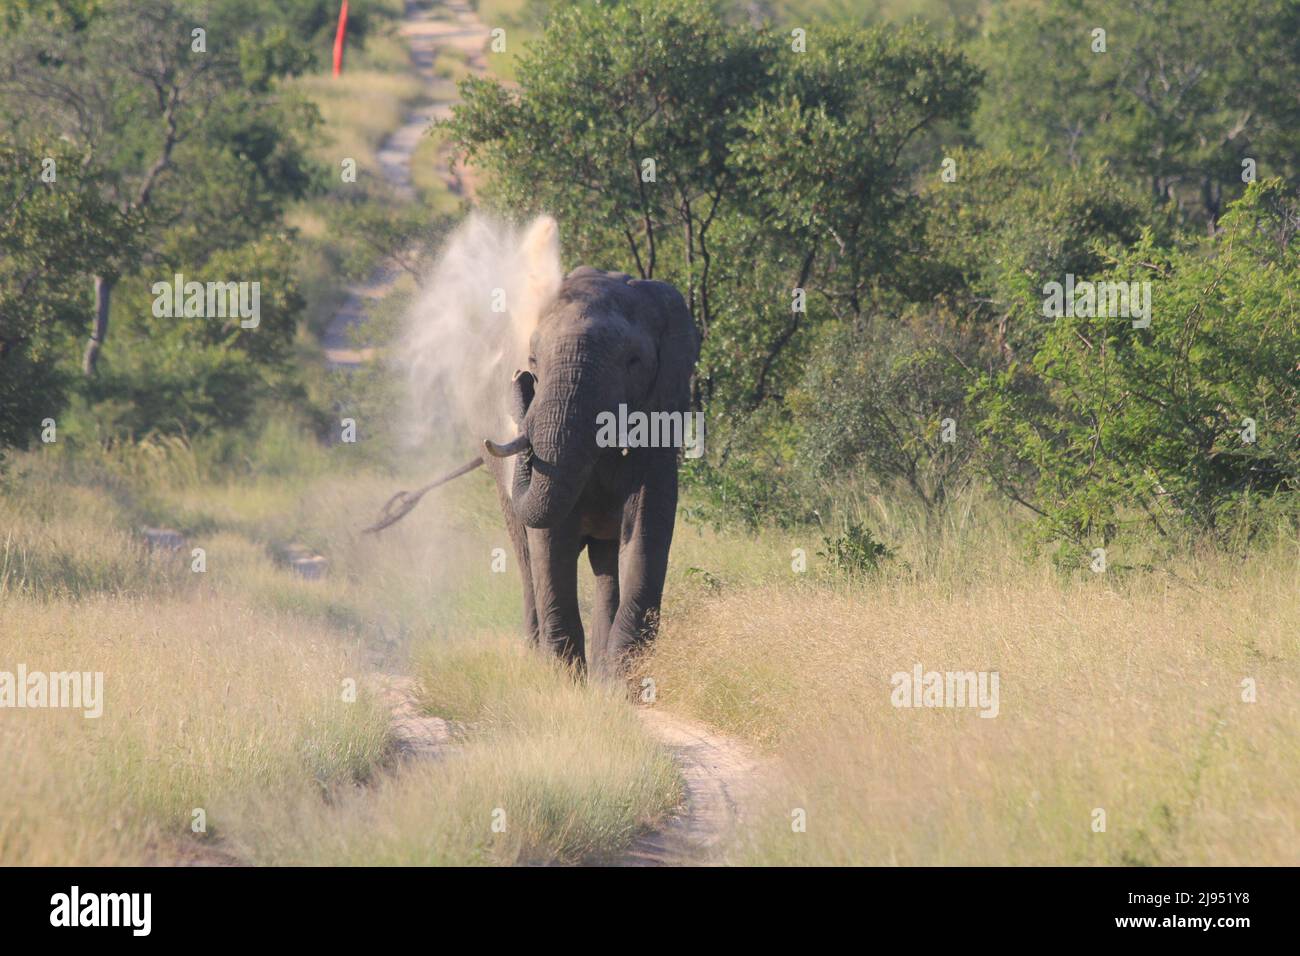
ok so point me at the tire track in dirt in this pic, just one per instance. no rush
(427, 29)
(721, 777)
(413, 734)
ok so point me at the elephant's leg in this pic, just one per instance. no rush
(532, 631)
(553, 554)
(519, 541)
(603, 556)
(648, 517)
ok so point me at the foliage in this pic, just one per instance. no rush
(1152, 422)
(49, 232)
(1008, 224)
(1182, 94)
(589, 115)
(747, 490)
(196, 146)
(855, 550)
(172, 374)
(887, 403)
(819, 171)
(863, 227)
(774, 169)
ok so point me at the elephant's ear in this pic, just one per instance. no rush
(522, 389)
(670, 323)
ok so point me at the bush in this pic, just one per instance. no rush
(173, 374)
(1175, 425)
(747, 489)
(883, 401)
(855, 551)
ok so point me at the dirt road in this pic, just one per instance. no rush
(718, 773)
(721, 778)
(426, 29)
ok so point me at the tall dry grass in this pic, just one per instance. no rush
(225, 689)
(546, 771)
(207, 705)
(1120, 693)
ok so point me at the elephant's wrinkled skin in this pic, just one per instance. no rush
(604, 340)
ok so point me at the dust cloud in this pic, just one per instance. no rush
(468, 330)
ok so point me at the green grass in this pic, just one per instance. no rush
(519, 18)
(208, 704)
(1119, 692)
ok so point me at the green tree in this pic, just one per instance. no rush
(774, 168)
(171, 375)
(1176, 424)
(1181, 96)
(54, 225)
(827, 164)
(1005, 226)
(621, 126)
(190, 136)
(885, 401)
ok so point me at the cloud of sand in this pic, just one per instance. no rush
(468, 330)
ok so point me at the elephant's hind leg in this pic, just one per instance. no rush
(603, 556)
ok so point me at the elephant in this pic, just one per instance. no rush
(599, 345)
(604, 343)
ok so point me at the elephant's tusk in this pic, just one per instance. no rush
(513, 447)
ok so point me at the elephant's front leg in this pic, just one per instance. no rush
(553, 555)
(603, 556)
(519, 541)
(647, 535)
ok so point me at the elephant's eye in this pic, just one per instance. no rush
(633, 362)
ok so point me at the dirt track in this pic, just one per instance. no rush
(720, 776)
(718, 773)
(415, 735)
(426, 30)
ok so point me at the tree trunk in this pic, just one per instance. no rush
(103, 297)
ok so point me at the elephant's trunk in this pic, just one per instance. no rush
(561, 434)
(547, 485)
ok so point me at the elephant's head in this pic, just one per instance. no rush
(605, 340)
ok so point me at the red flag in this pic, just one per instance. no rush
(339, 38)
